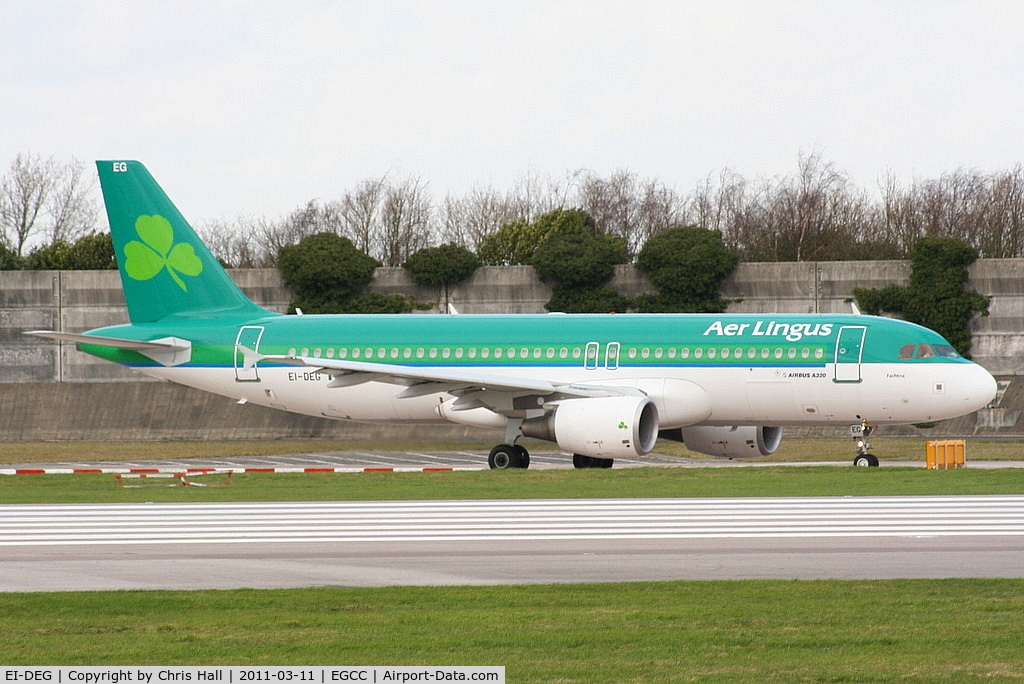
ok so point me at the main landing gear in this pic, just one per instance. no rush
(861, 433)
(581, 461)
(505, 456)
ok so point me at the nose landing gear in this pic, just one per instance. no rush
(861, 433)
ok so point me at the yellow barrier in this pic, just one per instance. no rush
(945, 454)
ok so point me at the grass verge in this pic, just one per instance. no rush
(927, 630)
(793, 480)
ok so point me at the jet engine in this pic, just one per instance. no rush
(743, 441)
(601, 427)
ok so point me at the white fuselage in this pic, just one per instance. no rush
(884, 394)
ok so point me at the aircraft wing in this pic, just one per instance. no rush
(496, 392)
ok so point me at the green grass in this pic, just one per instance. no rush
(927, 630)
(522, 484)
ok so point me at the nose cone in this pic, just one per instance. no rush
(977, 387)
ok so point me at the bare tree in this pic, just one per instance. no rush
(1003, 232)
(234, 242)
(405, 221)
(466, 221)
(25, 190)
(531, 195)
(314, 217)
(70, 205)
(360, 212)
(626, 207)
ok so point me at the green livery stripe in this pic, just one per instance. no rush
(617, 341)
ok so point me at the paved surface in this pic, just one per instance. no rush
(190, 546)
(125, 546)
(355, 461)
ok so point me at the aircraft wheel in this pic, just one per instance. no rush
(581, 461)
(866, 461)
(502, 457)
(506, 456)
(522, 457)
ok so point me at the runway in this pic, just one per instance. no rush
(134, 546)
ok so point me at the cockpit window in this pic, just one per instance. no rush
(927, 351)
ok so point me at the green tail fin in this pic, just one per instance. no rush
(166, 270)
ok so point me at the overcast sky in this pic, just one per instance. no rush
(253, 108)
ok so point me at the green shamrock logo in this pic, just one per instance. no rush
(622, 425)
(157, 251)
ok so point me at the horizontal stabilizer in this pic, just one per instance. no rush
(167, 351)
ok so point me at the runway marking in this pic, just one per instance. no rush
(511, 521)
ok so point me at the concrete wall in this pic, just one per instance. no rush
(51, 391)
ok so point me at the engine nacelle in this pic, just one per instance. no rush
(744, 441)
(601, 427)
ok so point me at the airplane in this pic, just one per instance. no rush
(600, 386)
